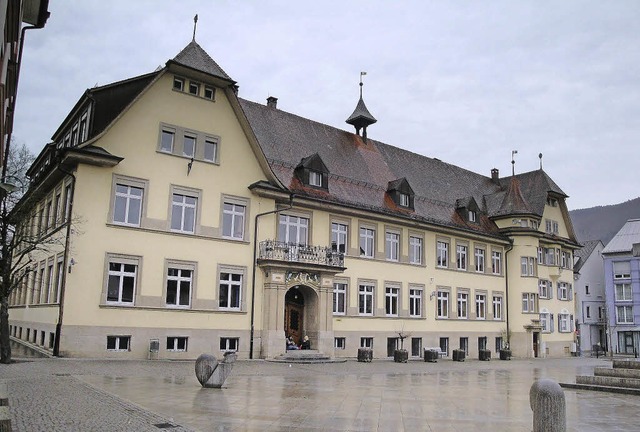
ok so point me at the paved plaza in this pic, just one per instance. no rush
(97, 395)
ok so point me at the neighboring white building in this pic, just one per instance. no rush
(588, 273)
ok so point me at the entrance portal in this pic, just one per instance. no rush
(294, 315)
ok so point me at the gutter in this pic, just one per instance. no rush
(506, 289)
(254, 265)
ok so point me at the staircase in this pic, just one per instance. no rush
(305, 356)
(624, 377)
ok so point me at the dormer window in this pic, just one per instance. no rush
(311, 171)
(401, 193)
(178, 84)
(468, 210)
(315, 178)
(552, 202)
(473, 216)
(209, 93)
(404, 200)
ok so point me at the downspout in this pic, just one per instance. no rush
(506, 289)
(254, 265)
(65, 261)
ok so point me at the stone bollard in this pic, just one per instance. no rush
(546, 399)
(211, 373)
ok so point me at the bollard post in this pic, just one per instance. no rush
(546, 399)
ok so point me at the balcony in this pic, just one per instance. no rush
(322, 256)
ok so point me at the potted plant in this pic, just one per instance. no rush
(505, 351)
(401, 355)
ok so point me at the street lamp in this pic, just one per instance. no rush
(9, 187)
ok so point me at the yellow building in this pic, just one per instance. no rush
(179, 216)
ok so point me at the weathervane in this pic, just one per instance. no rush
(513, 162)
(361, 74)
(195, 24)
(540, 156)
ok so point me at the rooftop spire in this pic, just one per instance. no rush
(361, 117)
(195, 24)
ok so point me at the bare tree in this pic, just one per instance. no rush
(19, 241)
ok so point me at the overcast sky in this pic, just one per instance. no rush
(463, 81)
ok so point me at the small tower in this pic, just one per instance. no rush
(361, 117)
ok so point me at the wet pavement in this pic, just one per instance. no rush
(351, 396)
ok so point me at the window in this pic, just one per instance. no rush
(179, 283)
(442, 304)
(472, 216)
(366, 342)
(403, 199)
(365, 300)
(315, 178)
(464, 344)
(189, 146)
(56, 209)
(463, 305)
(479, 260)
(529, 302)
(416, 347)
(392, 245)
(550, 256)
(498, 346)
(444, 345)
(586, 290)
(527, 266)
(118, 343)
(50, 280)
(178, 84)
(229, 344)
(121, 282)
(209, 92)
(166, 140)
(339, 298)
(127, 206)
(624, 314)
(588, 311)
(497, 308)
(183, 213)
(442, 254)
(496, 262)
(339, 343)
(415, 302)
(367, 242)
(67, 203)
(233, 221)
(623, 292)
(481, 306)
(391, 301)
(415, 250)
(210, 150)
(544, 287)
(177, 343)
(540, 256)
(59, 276)
(621, 270)
(293, 229)
(461, 257)
(552, 202)
(230, 291)
(48, 215)
(545, 322)
(565, 291)
(194, 88)
(564, 322)
(339, 237)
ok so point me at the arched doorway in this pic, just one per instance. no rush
(294, 314)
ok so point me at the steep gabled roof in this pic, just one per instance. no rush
(584, 253)
(628, 235)
(513, 200)
(194, 57)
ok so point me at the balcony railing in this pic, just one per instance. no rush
(297, 253)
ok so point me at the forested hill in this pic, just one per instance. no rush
(603, 222)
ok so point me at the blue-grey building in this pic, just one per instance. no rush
(622, 288)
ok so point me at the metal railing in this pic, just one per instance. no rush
(293, 252)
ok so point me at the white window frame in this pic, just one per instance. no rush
(121, 274)
(621, 269)
(170, 134)
(193, 142)
(479, 254)
(481, 306)
(339, 236)
(230, 283)
(177, 343)
(339, 343)
(366, 342)
(180, 202)
(233, 220)
(415, 302)
(210, 146)
(623, 292)
(403, 199)
(367, 242)
(463, 305)
(496, 262)
(392, 301)
(415, 250)
(229, 344)
(365, 299)
(442, 304)
(461, 257)
(119, 341)
(315, 178)
(339, 292)
(392, 243)
(497, 308)
(299, 225)
(131, 202)
(626, 317)
(442, 254)
(179, 279)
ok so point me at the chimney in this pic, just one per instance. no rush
(495, 176)
(272, 102)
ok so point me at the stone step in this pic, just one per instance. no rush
(626, 364)
(592, 387)
(620, 373)
(608, 381)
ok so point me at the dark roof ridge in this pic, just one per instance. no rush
(123, 81)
